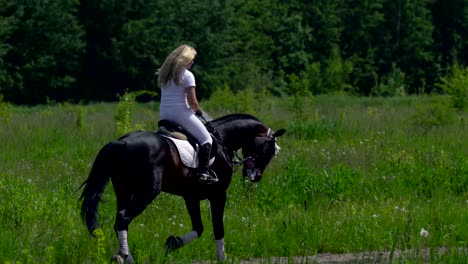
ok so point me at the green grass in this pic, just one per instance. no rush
(353, 175)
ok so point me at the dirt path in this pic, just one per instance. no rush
(366, 257)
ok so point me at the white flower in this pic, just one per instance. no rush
(181, 225)
(424, 233)
(375, 215)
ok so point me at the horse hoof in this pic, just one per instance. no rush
(117, 259)
(173, 243)
(121, 260)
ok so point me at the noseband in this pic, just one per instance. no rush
(248, 162)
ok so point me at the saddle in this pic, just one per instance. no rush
(186, 144)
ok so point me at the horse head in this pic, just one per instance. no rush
(259, 153)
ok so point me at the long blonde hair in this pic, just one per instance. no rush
(170, 70)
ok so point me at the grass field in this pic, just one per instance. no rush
(353, 175)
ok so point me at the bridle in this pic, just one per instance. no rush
(249, 161)
(241, 161)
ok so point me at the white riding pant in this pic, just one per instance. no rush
(188, 121)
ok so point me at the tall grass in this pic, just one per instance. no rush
(353, 175)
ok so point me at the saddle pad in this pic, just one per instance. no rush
(187, 153)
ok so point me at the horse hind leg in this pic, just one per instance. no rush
(129, 206)
(122, 221)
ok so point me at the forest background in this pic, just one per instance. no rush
(92, 50)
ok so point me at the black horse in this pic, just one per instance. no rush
(142, 164)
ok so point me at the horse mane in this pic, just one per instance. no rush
(234, 117)
(233, 122)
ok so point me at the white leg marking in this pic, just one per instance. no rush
(123, 244)
(220, 255)
(189, 237)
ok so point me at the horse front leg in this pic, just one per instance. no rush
(218, 203)
(193, 208)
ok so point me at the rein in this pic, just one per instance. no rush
(239, 160)
(248, 162)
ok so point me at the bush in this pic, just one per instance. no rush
(4, 111)
(427, 117)
(456, 85)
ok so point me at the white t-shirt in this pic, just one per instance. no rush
(174, 97)
(174, 107)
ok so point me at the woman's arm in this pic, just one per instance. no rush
(192, 99)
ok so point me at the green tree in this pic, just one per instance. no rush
(7, 24)
(450, 34)
(45, 51)
(332, 76)
(360, 41)
(407, 41)
(120, 46)
(414, 53)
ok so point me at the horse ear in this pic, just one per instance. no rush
(279, 133)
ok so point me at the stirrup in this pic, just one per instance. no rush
(209, 177)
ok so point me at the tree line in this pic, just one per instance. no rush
(91, 50)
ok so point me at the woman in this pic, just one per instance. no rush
(179, 103)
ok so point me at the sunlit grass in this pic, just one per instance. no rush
(354, 175)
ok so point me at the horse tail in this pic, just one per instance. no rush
(96, 183)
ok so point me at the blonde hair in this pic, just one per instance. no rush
(170, 70)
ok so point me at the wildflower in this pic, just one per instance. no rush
(424, 233)
(314, 141)
(181, 225)
(375, 215)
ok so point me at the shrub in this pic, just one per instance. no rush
(125, 107)
(4, 110)
(427, 117)
(456, 85)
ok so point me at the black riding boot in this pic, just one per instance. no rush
(203, 164)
